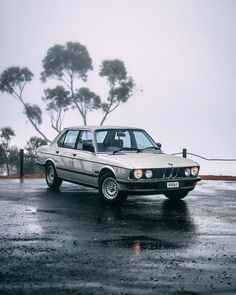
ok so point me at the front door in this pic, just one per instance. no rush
(65, 153)
(83, 159)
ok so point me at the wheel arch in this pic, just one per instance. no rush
(49, 161)
(106, 170)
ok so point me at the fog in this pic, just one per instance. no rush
(181, 55)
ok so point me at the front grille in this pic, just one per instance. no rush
(172, 172)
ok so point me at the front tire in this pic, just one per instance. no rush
(53, 181)
(109, 190)
(176, 195)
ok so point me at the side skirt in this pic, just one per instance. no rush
(80, 183)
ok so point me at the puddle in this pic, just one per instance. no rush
(142, 242)
(47, 211)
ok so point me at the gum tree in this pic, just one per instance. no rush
(13, 81)
(6, 134)
(69, 64)
(120, 85)
(31, 151)
(57, 101)
(33, 144)
(87, 101)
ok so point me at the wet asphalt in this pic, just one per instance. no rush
(68, 242)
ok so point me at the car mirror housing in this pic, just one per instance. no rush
(158, 145)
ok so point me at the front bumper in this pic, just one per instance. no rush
(157, 185)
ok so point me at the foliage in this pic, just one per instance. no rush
(33, 144)
(34, 113)
(13, 158)
(121, 86)
(31, 147)
(57, 101)
(6, 135)
(69, 63)
(13, 81)
(86, 100)
(2, 156)
(7, 153)
(66, 63)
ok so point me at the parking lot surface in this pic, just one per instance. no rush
(68, 242)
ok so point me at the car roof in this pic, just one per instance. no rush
(100, 127)
(92, 128)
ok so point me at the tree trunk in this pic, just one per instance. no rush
(39, 131)
(85, 120)
(104, 118)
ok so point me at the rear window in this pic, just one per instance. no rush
(68, 140)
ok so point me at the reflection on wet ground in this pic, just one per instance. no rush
(67, 241)
(154, 225)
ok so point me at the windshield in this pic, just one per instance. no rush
(113, 140)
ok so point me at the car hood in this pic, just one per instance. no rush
(147, 160)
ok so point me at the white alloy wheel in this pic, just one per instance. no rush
(110, 188)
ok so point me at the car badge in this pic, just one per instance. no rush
(170, 164)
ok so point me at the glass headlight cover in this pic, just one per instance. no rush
(187, 172)
(194, 171)
(138, 173)
(148, 173)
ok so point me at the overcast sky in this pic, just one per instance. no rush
(181, 54)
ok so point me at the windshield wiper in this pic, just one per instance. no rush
(149, 147)
(126, 149)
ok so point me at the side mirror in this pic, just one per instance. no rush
(158, 145)
(88, 147)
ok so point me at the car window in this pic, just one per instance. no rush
(85, 137)
(61, 140)
(70, 140)
(110, 140)
(113, 140)
(122, 139)
(100, 136)
(142, 140)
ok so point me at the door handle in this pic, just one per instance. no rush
(74, 155)
(57, 152)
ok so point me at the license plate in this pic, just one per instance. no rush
(172, 184)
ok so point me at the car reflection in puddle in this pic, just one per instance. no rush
(141, 224)
(162, 228)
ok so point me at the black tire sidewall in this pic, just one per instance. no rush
(56, 181)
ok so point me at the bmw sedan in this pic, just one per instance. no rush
(118, 161)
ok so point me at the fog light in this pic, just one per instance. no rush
(148, 173)
(138, 173)
(194, 171)
(187, 171)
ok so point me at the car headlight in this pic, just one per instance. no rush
(138, 173)
(148, 173)
(194, 171)
(187, 172)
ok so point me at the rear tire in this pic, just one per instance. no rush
(109, 190)
(53, 181)
(176, 195)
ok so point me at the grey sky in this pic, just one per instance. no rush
(181, 53)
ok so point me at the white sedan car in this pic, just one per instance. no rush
(119, 161)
